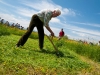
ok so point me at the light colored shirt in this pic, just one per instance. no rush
(45, 16)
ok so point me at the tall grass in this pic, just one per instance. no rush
(90, 51)
(5, 30)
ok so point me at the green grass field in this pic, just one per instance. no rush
(78, 59)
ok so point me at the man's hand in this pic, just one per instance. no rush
(49, 29)
(52, 34)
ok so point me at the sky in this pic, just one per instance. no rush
(80, 19)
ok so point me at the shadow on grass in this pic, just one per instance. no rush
(57, 53)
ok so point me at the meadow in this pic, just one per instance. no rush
(78, 59)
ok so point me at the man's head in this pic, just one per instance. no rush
(56, 12)
(62, 29)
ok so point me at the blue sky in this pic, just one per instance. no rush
(80, 19)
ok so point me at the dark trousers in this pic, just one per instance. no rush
(35, 22)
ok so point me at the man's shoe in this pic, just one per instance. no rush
(17, 45)
(43, 50)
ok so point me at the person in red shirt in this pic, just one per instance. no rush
(61, 34)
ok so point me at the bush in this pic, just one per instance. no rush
(4, 30)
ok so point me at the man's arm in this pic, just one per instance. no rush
(49, 29)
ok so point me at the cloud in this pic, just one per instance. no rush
(7, 4)
(39, 4)
(13, 19)
(79, 33)
(70, 12)
(54, 29)
(25, 12)
(83, 30)
(89, 24)
(55, 20)
(45, 4)
(85, 36)
(32, 7)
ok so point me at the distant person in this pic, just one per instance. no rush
(39, 20)
(61, 34)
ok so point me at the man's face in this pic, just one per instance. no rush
(55, 14)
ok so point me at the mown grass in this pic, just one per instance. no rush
(29, 60)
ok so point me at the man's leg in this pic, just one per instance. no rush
(41, 35)
(24, 38)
